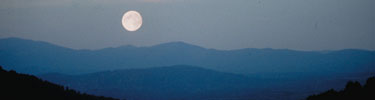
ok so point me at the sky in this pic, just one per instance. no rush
(219, 24)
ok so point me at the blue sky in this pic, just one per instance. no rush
(219, 24)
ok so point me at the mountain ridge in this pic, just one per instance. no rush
(171, 44)
(161, 83)
(191, 82)
(38, 58)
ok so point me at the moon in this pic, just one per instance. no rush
(132, 20)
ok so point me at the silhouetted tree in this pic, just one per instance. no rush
(14, 86)
(352, 91)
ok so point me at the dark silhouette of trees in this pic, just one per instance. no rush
(15, 86)
(352, 91)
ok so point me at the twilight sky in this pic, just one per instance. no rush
(219, 24)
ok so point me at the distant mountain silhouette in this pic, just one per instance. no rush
(37, 57)
(279, 73)
(352, 91)
(15, 86)
(162, 83)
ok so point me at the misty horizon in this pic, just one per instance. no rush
(182, 42)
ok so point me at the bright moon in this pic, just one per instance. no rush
(132, 20)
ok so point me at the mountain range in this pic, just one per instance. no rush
(161, 83)
(178, 70)
(184, 82)
(38, 57)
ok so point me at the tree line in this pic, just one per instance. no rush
(353, 91)
(15, 86)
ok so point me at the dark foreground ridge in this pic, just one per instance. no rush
(15, 86)
(352, 91)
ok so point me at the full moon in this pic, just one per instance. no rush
(132, 20)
